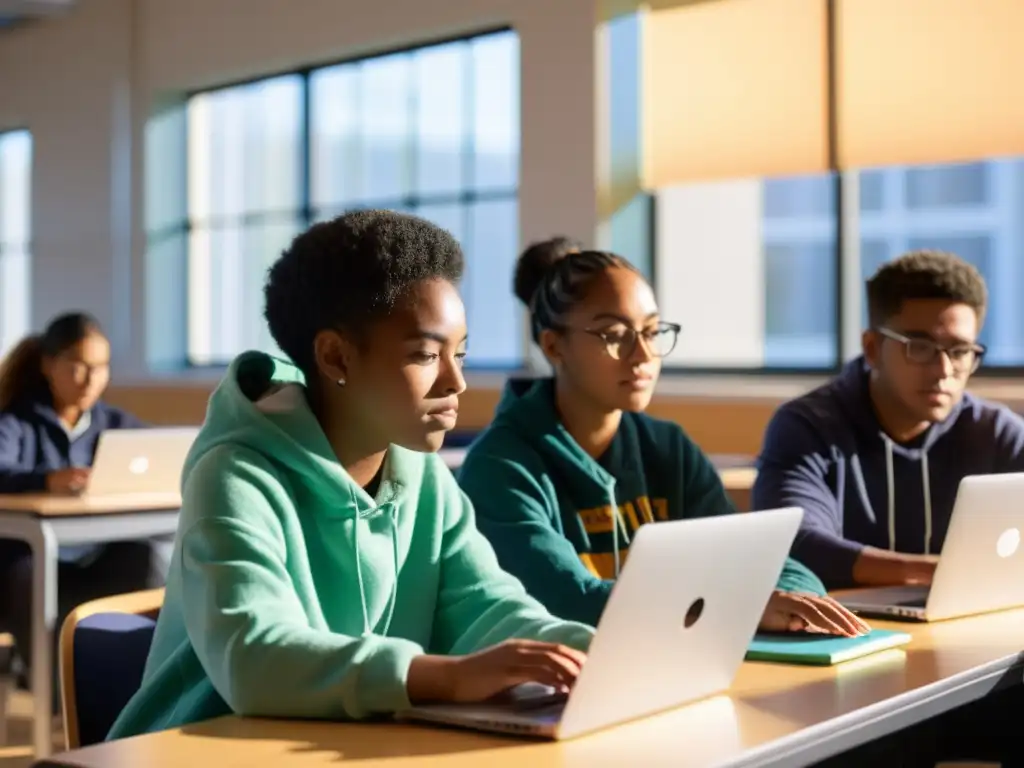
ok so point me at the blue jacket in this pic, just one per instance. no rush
(827, 453)
(34, 443)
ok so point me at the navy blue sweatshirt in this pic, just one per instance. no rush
(34, 443)
(827, 453)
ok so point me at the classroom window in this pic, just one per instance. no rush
(771, 246)
(15, 235)
(432, 131)
(768, 245)
(975, 210)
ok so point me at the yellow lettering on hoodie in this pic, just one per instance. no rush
(644, 505)
(597, 520)
(660, 508)
(602, 564)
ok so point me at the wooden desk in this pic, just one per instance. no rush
(774, 715)
(44, 522)
(738, 482)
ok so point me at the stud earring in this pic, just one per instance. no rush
(340, 382)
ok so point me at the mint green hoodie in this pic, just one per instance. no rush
(562, 521)
(292, 593)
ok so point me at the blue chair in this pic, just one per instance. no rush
(103, 650)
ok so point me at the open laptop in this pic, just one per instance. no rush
(140, 460)
(675, 629)
(981, 568)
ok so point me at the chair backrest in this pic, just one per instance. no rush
(103, 649)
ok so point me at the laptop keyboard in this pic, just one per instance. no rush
(917, 602)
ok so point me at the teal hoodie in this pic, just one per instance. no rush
(561, 521)
(293, 593)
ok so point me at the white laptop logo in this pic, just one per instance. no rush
(138, 465)
(1009, 541)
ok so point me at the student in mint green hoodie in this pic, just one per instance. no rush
(571, 467)
(326, 563)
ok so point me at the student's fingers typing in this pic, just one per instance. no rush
(551, 657)
(487, 673)
(537, 646)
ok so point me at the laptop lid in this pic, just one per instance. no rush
(982, 567)
(140, 460)
(681, 616)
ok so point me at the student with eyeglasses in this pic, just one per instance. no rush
(571, 467)
(875, 457)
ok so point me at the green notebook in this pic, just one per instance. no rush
(822, 650)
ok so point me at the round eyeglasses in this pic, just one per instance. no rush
(620, 344)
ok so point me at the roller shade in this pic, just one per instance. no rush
(733, 89)
(929, 81)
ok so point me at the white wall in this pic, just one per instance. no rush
(85, 84)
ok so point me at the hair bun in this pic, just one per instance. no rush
(536, 260)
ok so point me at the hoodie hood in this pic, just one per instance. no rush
(527, 408)
(261, 406)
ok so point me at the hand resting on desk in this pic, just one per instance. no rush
(68, 481)
(798, 612)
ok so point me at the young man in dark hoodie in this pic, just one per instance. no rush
(875, 457)
(571, 467)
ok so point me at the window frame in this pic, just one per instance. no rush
(29, 243)
(848, 285)
(306, 212)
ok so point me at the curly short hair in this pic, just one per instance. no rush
(924, 274)
(349, 272)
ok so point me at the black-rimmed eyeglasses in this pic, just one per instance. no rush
(965, 358)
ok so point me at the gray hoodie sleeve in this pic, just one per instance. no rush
(793, 471)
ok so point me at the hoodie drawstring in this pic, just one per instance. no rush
(926, 482)
(890, 490)
(890, 484)
(616, 522)
(391, 512)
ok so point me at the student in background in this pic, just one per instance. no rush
(51, 417)
(875, 457)
(327, 564)
(571, 467)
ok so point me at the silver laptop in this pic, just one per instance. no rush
(676, 629)
(981, 568)
(140, 460)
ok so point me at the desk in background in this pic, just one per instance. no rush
(774, 715)
(45, 522)
(739, 482)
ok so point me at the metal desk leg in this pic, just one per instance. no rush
(44, 619)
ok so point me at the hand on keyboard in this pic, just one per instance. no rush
(481, 676)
